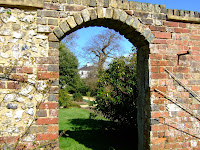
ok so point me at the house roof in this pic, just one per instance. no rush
(86, 68)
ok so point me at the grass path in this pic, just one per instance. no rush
(83, 133)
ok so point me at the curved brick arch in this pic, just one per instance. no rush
(136, 32)
(132, 29)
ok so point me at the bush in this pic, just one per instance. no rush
(78, 97)
(65, 99)
(117, 92)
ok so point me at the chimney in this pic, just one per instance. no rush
(88, 64)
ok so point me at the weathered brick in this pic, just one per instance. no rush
(54, 68)
(171, 24)
(54, 90)
(43, 121)
(159, 41)
(48, 106)
(46, 136)
(47, 60)
(53, 97)
(51, 6)
(158, 76)
(53, 112)
(53, 128)
(181, 30)
(163, 35)
(157, 28)
(74, 8)
(47, 75)
(8, 139)
(17, 77)
(41, 113)
(28, 70)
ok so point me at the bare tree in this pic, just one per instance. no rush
(103, 46)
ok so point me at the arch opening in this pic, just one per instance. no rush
(142, 45)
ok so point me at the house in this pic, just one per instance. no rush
(85, 70)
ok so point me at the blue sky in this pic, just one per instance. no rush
(86, 33)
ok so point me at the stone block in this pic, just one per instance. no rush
(54, 44)
(48, 13)
(150, 7)
(53, 97)
(129, 20)
(135, 5)
(163, 9)
(54, 68)
(123, 16)
(144, 6)
(70, 1)
(116, 14)
(176, 12)
(52, 37)
(135, 23)
(86, 15)
(146, 32)
(192, 14)
(70, 20)
(93, 14)
(156, 8)
(53, 22)
(58, 32)
(182, 13)
(100, 12)
(113, 3)
(100, 3)
(41, 21)
(109, 13)
(93, 3)
(77, 2)
(64, 26)
(170, 12)
(85, 2)
(187, 13)
(78, 18)
(74, 8)
(43, 29)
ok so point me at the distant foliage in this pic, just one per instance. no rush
(68, 69)
(117, 92)
(77, 97)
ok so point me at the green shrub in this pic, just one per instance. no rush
(117, 92)
(65, 99)
(78, 97)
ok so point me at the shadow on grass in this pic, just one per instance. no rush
(102, 135)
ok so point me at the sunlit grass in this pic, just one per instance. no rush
(84, 133)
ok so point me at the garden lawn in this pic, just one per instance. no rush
(84, 131)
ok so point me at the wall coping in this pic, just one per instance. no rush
(183, 19)
(27, 3)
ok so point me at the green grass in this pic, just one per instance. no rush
(83, 133)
